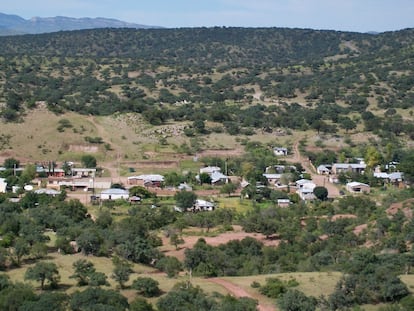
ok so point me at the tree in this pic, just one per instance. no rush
(140, 304)
(185, 296)
(47, 302)
(231, 303)
(20, 248)
(121, 272)
(11, 163)
(170, 265)
(407, 166)
(228, 188)
(28, 174)
(146, 286)
(88, 161)
(90, 241)
(372, 157)
(295, 300)
(95, 298)
(176, 239)
(43, 271)
(347, 124)
(204, 178)
(83, 270)
(185, 199)
(14, 296)
(321, 193)
(141, 192)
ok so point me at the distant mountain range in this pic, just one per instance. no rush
(14, 24)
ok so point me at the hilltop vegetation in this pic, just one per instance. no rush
(243, 79)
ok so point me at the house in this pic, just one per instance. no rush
(218, 178)
(3, 185)
(395, 178)
(280, 151)
(114, 194)
(83, 172)
(357, 187)
(50, 172)
(151, 180)
(283, 202)
(324, 169)
(210, 169)
(50, 192)
(279, 169)
(135, 199)
(202, 205)
(306, 194)
(272, 179)
(185, 187)
(338, 168)
(305, 184)
(215, 174)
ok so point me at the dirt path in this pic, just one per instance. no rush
(319, 180)
(240, 292)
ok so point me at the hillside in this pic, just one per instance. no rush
(239, 81)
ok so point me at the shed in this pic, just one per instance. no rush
(114, 194)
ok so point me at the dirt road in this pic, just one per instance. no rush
(238, 292)
(319, 180)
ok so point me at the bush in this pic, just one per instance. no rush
(275, 288)
(146, 286)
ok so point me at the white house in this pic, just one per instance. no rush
(202, 205)
(210, 169)
(357, 187)
(272, 179)
(306, 194)
(305, 184)
(323, 169)
(280, 151)
(3, 185)
(218, 178)
(215, 174)
(283, 202)
(114, 194)
(51, 192)
(338, 168)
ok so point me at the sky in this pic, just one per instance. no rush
(341, 15)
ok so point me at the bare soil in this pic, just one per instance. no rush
(223, 238)
(238, 292)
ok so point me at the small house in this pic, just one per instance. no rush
(150, 180)
(3, 185)
(83, 172)
(218, 178)
(272, 179)
(115, 194)
(202, 205)
(306, 194)
(357, 187)
(210, 169)
(280, 151)
(323, 169)
(50, 192)
(283, 202)
(338, 168)
(305, 184)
